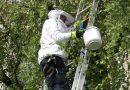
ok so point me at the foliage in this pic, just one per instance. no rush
(19, 42)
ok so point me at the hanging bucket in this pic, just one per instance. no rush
(92, 38)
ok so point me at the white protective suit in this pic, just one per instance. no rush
(53, 31)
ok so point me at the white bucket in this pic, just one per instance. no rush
(92, 38)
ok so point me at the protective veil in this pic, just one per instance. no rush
(53, 31)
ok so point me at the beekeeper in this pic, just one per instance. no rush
(51, 57)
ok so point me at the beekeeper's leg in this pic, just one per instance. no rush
(48, 69)
(54, 72)
(60, 73)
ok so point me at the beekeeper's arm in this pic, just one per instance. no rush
(57, 35)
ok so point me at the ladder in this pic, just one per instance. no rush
(80, 74)
(79, 79)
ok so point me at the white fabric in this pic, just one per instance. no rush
(53, 31)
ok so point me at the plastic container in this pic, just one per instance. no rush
(92, 38)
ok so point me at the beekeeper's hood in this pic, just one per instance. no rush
(56, 14)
